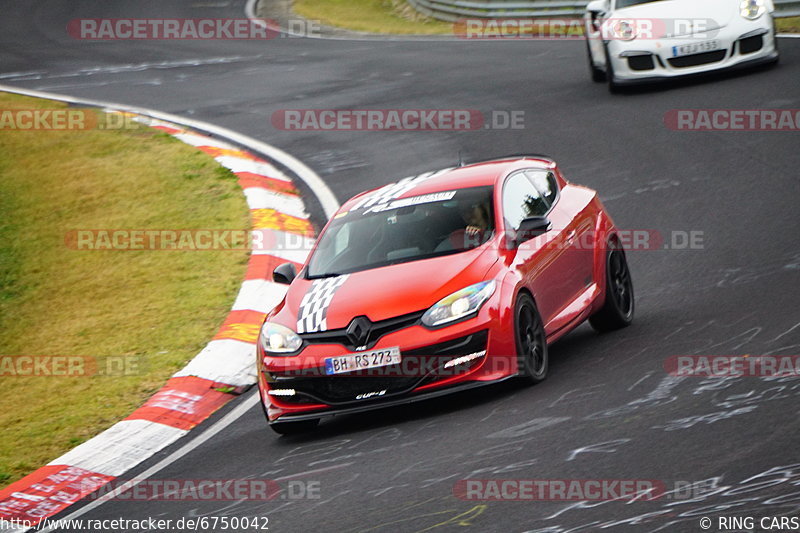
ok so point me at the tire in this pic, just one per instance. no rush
(293, 428)
(532, 358)
(287, 428)
(597, 75)
(618, 308)
(613, 86)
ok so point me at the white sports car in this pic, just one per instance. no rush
(635, 41)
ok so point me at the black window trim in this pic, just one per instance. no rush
(555, 180)
(522, 171)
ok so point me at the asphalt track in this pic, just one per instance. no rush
(608, 410)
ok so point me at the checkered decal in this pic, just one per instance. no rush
(314, 307)
(390, 192)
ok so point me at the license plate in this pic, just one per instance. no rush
(362, 360)
(694, 48)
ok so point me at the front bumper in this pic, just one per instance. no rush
(421, 374)
(383, 404)
(741, 44)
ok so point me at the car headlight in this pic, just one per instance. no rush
(459, 305)
(277, 339)
(752, 9)
(623, 30)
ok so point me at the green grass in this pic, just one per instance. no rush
(161, 307)
(374, 16)
(788, 25)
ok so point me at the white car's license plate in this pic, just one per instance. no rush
(694, 48)
(362, 360)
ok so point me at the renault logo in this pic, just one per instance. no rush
(358, 331)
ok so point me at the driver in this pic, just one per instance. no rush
(476, 216)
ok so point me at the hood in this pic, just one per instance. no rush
(385, 292)
(674, 18)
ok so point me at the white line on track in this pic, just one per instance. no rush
(249, 401)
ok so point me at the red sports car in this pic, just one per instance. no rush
(438, 283)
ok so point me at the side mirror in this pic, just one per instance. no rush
(531, 227)
(596, 10)
(284, 273)
(597, 7)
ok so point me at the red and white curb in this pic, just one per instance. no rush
(223, 369)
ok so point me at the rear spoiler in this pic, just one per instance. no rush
(512, 156)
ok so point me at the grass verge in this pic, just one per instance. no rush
(373, 16)
(161, 308)
(788, 25)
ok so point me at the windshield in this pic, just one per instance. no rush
(629, 3)
(404, 230)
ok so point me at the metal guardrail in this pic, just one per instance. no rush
(787, 8)
(453, 10)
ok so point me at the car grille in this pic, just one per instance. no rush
(698, 59)
(378, 330)
(750, 45)
(395, 380)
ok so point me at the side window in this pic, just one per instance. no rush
(342, 238)
(521, 200)
(545, 182)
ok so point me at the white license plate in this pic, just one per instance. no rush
(694, 48)
(362, 360)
